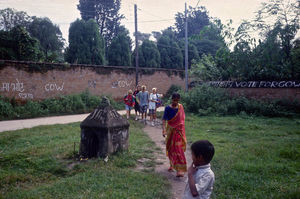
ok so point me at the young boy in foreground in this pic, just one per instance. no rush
(200, 176)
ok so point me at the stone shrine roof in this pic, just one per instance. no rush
(104, 116)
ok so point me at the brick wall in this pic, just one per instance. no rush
(19, 81)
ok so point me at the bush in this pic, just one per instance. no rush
(6, 109)
(173, 88)
(69, 104)
(206, 100)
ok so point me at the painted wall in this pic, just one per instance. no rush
(27, 80)
(19, 81)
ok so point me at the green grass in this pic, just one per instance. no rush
(38, 163)
(255, 157)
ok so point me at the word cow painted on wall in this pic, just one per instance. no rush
(121, 84)
(54, 87)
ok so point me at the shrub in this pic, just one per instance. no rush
(6, 109)
(69, 104)
(173, 88)
(206, 100)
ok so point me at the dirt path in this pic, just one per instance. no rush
(178, 184)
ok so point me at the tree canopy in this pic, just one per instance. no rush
(50, 37)
(119, 51)
(86, 45)
(105, 13)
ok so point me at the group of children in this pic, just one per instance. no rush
(141, 101)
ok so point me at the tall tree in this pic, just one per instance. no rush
(49, 35)
(282, 15)
(170, 53)
(151, 57)
(119, 51)
(197, 19)
(85, 43)
(106, 14)
(17, 44)
(10, 18)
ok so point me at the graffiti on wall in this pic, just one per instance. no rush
(251, 84)
(54, 87)
(121, 84)
(15, 86)
(92, 84)
(25, 95)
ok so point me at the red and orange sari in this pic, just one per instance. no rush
(176, 141)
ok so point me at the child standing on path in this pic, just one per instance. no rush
(200, 176)
(153, 99)
(129, 103)
(143, 100)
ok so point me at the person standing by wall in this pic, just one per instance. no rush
(137, 106)
(174, 130)
(143, 100)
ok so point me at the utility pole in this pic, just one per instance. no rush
(186, 52)
(136, 47)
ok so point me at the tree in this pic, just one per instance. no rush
(193, 54)
(49, 35)
(86, 46)
(197, 19)
(106, 14)
(10, 18)
(282, 15)
(205, 70)
(119, 51)
(170, 52)
(17, 44)
(142, 36)
(148, 55)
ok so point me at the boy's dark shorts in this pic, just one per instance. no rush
(143, 109)
(152, 111)
(137, 107)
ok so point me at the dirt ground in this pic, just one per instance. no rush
(178, 184)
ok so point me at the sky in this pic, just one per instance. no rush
(153, 15)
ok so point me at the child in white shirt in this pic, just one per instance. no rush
(200, 176)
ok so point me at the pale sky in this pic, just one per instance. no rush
(153, 15)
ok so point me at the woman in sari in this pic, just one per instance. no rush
(174, 130)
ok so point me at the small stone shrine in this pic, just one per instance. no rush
(103, 132)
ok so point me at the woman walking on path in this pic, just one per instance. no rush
(174, 129)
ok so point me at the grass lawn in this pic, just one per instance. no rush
(255, 157)
(37, 163)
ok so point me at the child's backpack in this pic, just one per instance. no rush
(159, 103)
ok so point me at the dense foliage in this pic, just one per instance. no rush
(119, 51)
(17, 44)
(105, 13)
(70, 104)
(273, 57)
(206, 100)
(29, 38)
(86, 46)
(49, 36)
